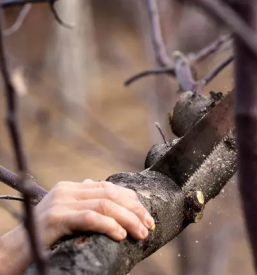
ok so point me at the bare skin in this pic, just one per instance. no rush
(89, 206)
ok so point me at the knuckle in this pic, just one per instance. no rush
(133, 194)
(105, 206)
(111, 193)
(90, 216)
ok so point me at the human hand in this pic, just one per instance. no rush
(91, 206)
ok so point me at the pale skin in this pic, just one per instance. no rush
(88, 206)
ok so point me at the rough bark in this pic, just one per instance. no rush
(173, 209)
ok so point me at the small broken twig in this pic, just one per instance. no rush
(158, 126)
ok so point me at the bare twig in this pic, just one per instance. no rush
(225, 14)
(192, 58)
(9, 197)
(158, 126)
(18, 23)
(162, 56)
(20, 158)
(209, 49)
(168, 70)
(217, 70)
(8, 207)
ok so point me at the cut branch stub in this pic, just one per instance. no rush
(194, 206)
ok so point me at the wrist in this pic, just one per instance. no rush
(15, 252)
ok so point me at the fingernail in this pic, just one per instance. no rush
(122, 233)
(143, 231)
(149, 220)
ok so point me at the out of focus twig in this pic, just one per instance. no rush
(225, 14)
(192, 59)
(19, 21)
(217, 70)
(11, 120)
(161, 54)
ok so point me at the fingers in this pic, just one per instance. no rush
(88, 220)
(127, 219)
(121, 196)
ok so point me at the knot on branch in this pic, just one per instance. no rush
(189, 109)
(194, 206)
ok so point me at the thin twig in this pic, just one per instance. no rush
(19, 21)
(9, 197)
(167, 70)
(11, 120)
(209, 49)
(162, 56)
(158, 126)
(225, 14)
(217, 70)
(192, 58)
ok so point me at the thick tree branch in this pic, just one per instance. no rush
(172, 208)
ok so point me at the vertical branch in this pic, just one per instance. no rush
(246, 120)
(11, 120)
(162, 56)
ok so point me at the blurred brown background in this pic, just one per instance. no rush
(78, 120)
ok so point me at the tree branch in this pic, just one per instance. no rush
(225, 14)
(217, 70)
(8, 197)
(19, 21)
(11, 179)
(172, 208)
(161, 54)
(11, 120)
(192, 59)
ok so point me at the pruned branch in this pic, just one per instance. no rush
(167, 203)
